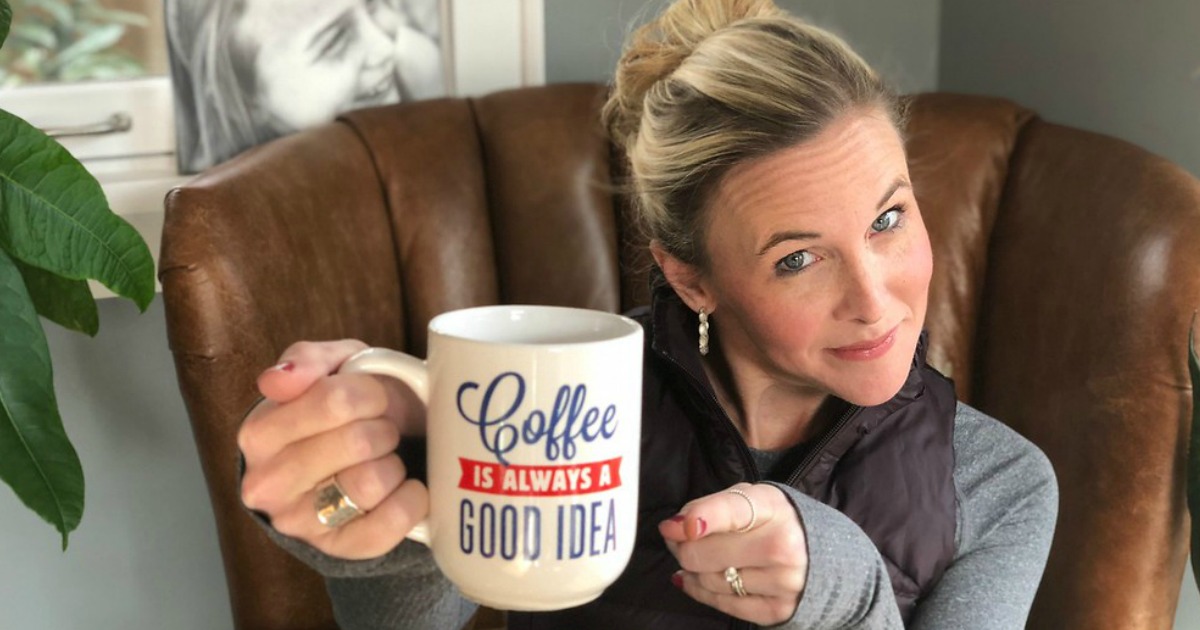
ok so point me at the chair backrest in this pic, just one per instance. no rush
(1063, 285)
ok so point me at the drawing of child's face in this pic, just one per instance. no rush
(317, 58)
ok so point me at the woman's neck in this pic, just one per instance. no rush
(771, 415)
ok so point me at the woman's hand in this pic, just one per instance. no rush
(771, 558)
(313, 426)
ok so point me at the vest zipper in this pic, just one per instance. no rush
(810, 460)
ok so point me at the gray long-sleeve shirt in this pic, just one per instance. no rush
(1007, 503)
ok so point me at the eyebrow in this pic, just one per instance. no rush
(790, 235)
(896, 185)
(793, 235)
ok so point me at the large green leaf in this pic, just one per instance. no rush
(1193, 465)
(53, 215)
(5, 20)
(68, 303)
(36, 458)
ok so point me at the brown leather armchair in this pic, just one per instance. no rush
(1065, 276)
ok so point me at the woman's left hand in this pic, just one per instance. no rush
(771, 557)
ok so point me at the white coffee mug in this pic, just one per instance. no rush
(533, 436)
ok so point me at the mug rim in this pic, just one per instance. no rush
(623, 327)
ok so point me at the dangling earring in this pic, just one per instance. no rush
(703, 332)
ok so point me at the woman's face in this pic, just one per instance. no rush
(317, 58)
(820, 263)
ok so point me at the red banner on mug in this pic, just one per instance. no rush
(539, 481)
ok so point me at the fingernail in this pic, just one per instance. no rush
(701, 527)
(678, 518)
(286, 366)
(677, 580)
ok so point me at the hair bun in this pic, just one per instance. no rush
(657, 48)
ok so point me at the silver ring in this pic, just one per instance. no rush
(734, 579)
(753, 512)
(334, 508)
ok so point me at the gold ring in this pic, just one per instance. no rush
(753, 513)
(734, 579)
(334, 508)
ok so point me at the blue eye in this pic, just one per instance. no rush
(888, 220)
(794, 262)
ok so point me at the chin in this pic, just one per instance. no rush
(873, 397)
(879, 385)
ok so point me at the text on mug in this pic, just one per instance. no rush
(582, 530)
(566, 422)
(539, 481)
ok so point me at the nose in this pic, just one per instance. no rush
(863, 290)
(385, 15)
(376, 73)
(378, 23)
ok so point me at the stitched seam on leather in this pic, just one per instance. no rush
(1025, 120)
(488, 195)
(390, 216)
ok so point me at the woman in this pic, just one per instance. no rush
(767, 164)
(248, 71)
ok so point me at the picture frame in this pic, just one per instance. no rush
(245, 72)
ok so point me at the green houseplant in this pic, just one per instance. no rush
(56, 231)
(68, 40)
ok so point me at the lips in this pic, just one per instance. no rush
(866, 350)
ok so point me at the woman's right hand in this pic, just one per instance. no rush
(313, 425)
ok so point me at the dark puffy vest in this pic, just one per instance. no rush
(889, 468)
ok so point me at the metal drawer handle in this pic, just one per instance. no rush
(119, 122)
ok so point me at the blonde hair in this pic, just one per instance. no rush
(712, 83)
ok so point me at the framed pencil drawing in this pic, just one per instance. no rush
(247, 71)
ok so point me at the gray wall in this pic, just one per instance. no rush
(1130, 70)
(584, 37)
(145, 555)
(1187, 616)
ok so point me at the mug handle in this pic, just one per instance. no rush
(407, 369)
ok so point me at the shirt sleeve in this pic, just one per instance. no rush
(398, 590)
(847, 585)
(1007, 507)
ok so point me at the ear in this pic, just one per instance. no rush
(687, 280)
